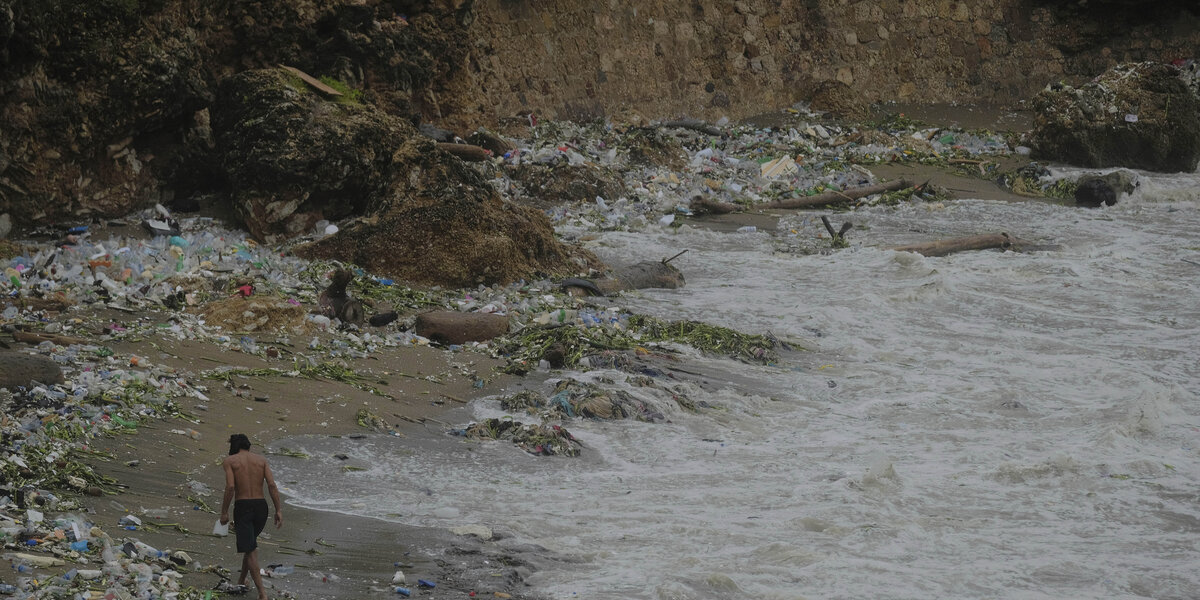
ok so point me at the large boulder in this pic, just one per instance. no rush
(294, 158)
(442, 224)
(18, 369)
(1142, 115)
(406, 208)
(85, 90)
(1094, 191)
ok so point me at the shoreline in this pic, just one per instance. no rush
(169, 470)
(166, 461)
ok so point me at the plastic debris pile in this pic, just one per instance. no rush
(538, 439)
(577, 399)
(69, 557)
(747, 166)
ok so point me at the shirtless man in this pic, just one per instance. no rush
(245, 473)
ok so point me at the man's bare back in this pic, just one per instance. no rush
(250, 471)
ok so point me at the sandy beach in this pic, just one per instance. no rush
(171, 477)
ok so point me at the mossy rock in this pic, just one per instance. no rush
(407, 209)
(1140, 115)
(294, 157)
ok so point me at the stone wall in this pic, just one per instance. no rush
(705, 58)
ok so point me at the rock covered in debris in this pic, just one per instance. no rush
(534, 438)
(1138, 115)
(443, 224)
(19, 369)
(1096, 190)
(294, 158)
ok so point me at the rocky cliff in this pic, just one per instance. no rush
(107, 105)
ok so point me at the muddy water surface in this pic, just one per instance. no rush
(982, 425)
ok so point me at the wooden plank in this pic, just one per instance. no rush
(973, 242)
(310, 80)
(467, 152)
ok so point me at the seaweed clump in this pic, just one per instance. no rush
(565, 346)
(543, 440)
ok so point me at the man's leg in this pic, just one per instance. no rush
(252, 562)
(245, 568)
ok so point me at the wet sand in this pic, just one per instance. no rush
(334, 555)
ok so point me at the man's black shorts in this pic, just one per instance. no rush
(249, 518)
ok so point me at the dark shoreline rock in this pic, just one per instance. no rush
(18, 369)
(1142, 116)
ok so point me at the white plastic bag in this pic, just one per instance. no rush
(219, 529)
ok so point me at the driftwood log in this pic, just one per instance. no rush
(694, 125)
(316, 84)
(467, 152)
(973, 242)
(453, 327)
(491, 141)
(704, 205)
(29, 337)
(49, 304)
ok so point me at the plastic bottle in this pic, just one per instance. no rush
(142, 573)
(8, 589)
(23, 568)
(283, 570)
(148, 551)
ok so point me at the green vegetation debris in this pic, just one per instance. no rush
(291, 453)
(349, 94)
(371, 289)
(325, 370)
(709, 339)
(525, 349)
(547, 440)
(370, 420)
(199, 503)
